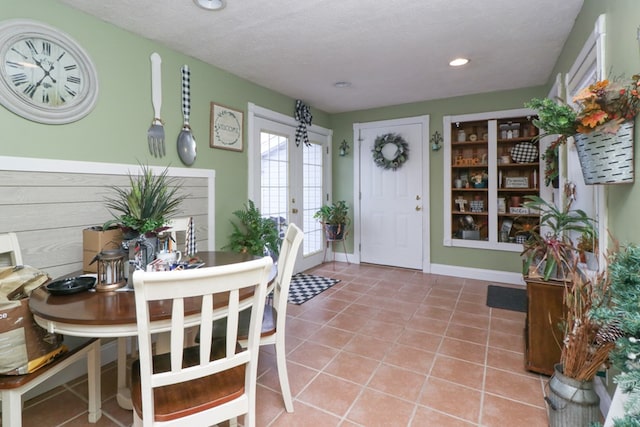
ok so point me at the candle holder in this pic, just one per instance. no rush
(111, 270)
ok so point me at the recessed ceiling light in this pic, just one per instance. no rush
(211, 4)
(342, 84)
(459, 62)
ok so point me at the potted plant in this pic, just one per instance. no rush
(549, 250)
(147, 205)
(588, 247)
(334, 219)
(255, 234)
(602, 108)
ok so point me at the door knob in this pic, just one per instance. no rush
(418, 208)
(294, 210)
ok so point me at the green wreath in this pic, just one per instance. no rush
(399, 158)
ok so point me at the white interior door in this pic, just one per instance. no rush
(291, 182)
(392, 204)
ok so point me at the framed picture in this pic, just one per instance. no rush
(226, 128)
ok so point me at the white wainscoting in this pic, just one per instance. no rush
(48, 203)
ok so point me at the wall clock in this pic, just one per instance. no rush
(45, 75)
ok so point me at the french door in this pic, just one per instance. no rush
(289, 183)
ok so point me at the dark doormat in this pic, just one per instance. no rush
(513, 299)
(306, 286)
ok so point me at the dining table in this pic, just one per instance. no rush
(112, 314)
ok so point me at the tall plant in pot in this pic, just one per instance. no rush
(335, 219)
(255, 234)
(143, 210)
(147, 205)
(583, 346)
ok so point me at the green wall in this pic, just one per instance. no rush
(115, 131)
(342, 125)
(623, 57)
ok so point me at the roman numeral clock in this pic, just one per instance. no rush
(45, 75)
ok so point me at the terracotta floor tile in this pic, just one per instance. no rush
(467, 333)
(331, 337)
(331, 394)
(384, 331)
(348, 322)
(473, 307)
(428, 324)
(506, 360)
(312, 355)
(458, 371)
(352, 367)
(447, 397)
(507, 326)
(428, 417)
(501, 412)
(53, 410)
(367, 346)
(375, 409)
(421, 340)
(464, 350)
(299, 377)
(397, 382)
(470, 319)
(410, 358)
(305, 415)
(384, 347)
(506, 341)
(514, 386)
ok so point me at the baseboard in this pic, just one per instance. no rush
(108, 354)
(477, 273)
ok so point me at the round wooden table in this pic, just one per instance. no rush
(113, 314)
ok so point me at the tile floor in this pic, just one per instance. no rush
(384, 347)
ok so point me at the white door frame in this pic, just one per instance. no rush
(253, 153)
(426, 211)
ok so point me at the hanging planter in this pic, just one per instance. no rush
(607, 158)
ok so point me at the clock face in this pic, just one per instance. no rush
(43, 72)
(45, 75)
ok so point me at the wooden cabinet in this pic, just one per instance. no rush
(543, 333)
(492, 162)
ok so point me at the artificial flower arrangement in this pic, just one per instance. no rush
(602, 107)
(479, 177)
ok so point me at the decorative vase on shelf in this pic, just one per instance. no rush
(607, 158)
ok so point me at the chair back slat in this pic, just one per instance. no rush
(286, 263)
(212, 285)
(9, 247)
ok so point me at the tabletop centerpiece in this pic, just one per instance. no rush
(602, 124)
(143, 210)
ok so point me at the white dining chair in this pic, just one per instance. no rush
(178, 225)
(273, 325)
(10, 248)
(13, 387)
(215, 380)
(275, 311)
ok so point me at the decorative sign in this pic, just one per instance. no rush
(226, 128)
(516, 182)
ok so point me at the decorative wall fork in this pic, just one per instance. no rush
(155, 134)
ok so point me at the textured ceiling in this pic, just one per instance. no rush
(392, 51)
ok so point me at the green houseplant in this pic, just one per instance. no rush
(255, 234)
(601, 107)
(550, 248)
(334, 218)
(147, 205)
